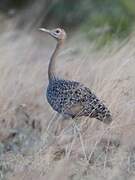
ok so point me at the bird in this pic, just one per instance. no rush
(71, 98)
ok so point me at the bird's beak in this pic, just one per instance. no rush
(44, 30)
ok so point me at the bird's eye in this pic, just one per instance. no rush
(57, 31)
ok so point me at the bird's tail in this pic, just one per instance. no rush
(105, 118)
(102, 113)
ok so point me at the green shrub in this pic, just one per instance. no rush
(109, 19)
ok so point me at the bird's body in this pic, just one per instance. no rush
(71, 98)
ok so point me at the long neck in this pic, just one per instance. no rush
(51, 68)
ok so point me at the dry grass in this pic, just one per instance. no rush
(30, 149)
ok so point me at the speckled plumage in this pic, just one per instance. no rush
(73, 99)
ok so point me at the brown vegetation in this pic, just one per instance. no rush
(30, 149)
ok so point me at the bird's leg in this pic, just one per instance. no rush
(81, 140)
(51, 121)
(76, 134)
(56, 124)
(48, 133)
(72, 144)
(59, 125)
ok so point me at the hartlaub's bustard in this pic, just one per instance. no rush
(71, 98)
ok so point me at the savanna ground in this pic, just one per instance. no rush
(30, 147)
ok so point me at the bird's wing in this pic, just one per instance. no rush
(84, 100)
(74, 110)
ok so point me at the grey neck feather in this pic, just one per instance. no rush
(51, 68)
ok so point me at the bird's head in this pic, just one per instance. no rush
(58, 33)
